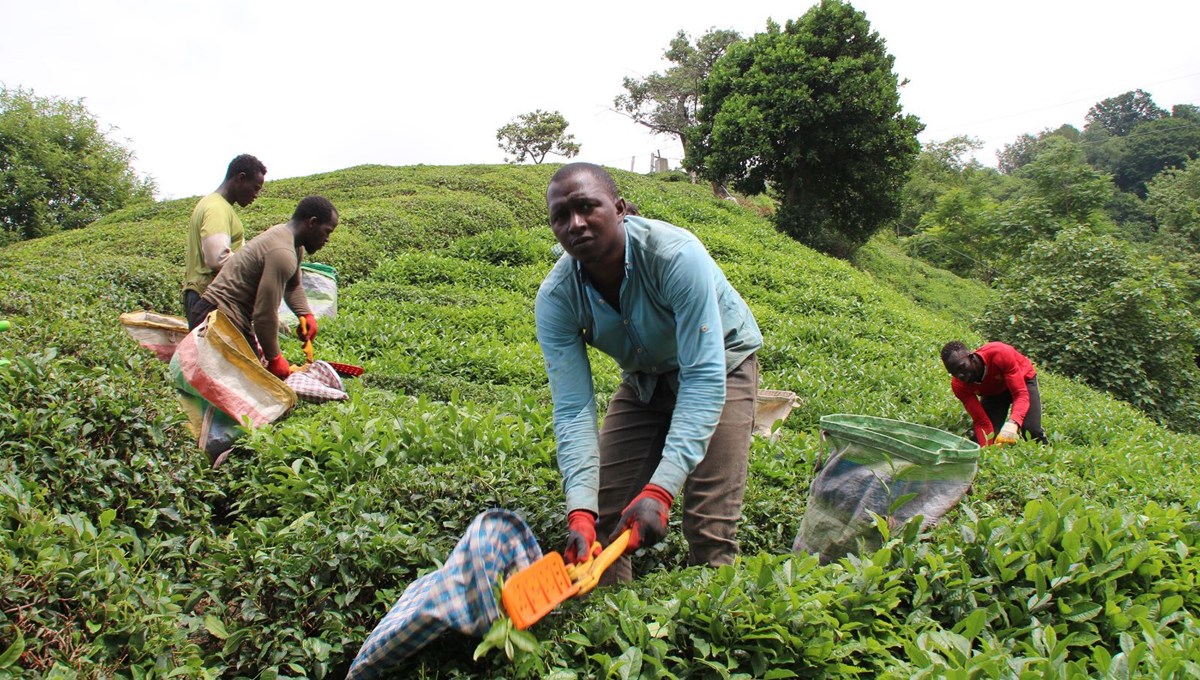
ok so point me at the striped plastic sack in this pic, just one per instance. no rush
(159, 333)
(459, 596)
(214, 368)
(878, 466)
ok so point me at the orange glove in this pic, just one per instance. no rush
(581, 534)
(279, 367)
(307, 329)
(645, 517)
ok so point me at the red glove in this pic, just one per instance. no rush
(581, 534)
(646, 517)
(306, 330)
(279, 367)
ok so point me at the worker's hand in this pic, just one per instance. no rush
(306, 330)
(279, 367)
(581, 534)
(1008, 434)
(645, 517)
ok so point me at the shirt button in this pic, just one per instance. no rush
(704, 328)
(640, 350)
(626, 322)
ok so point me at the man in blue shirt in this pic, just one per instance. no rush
(648, 294)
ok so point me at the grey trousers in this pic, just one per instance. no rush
(631, 444)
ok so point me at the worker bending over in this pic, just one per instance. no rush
(988, 382)
(253, 280)
(648, 294)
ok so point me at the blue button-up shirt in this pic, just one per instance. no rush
(679, 320)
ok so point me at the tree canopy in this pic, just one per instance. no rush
(938, 168)
(1119, 115)
(58, 168)
(667, 102)
(1151, 146)
(1060, 176)
(1016, 155)
(535, 135)
(1174, 198)
(812, 111)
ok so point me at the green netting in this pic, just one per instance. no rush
(325, 269)
(878, 467)
(320, 287)
(916, 443)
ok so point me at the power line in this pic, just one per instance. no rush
(1092, 98)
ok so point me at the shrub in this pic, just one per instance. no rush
(1093, 307)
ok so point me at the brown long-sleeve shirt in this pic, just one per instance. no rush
(253, 281)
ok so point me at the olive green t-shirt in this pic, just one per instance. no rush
(212, 216)
(253, 281)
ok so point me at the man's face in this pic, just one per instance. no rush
(587, 220)
(317, 234)
(963, 366)
(247, 188)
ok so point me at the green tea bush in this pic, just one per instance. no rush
(85, 593)
(92, 448)
(506, 248)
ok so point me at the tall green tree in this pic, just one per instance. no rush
(811, 110)
(938, 169)
(1101, 310)
(667, 102)
(1016, 155)
(1119, 115)
(1021, 152)
(535, 135)
(58, 167)
(960, 233)
(1059, 174)
(1174, 199)
(1189, 112)
(1151, 147)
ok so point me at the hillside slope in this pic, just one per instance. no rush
(282, 561)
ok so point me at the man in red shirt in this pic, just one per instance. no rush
(990, 380)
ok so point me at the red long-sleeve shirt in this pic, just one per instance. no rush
(1004, 370)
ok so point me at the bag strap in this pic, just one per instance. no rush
(821, 452)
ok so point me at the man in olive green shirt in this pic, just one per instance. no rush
(249, 287)
(215, 230)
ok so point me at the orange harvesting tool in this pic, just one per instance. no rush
(537, 589)
(308, 348)
(344, 369)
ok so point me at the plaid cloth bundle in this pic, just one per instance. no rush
(318, 382)
(458, 596)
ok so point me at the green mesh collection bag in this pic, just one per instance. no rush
(320, 286)
(877, 466)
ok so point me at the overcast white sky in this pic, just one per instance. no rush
(311, 87)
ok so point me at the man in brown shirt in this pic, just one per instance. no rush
(254, 279)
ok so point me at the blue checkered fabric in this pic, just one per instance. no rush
(459, 596)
